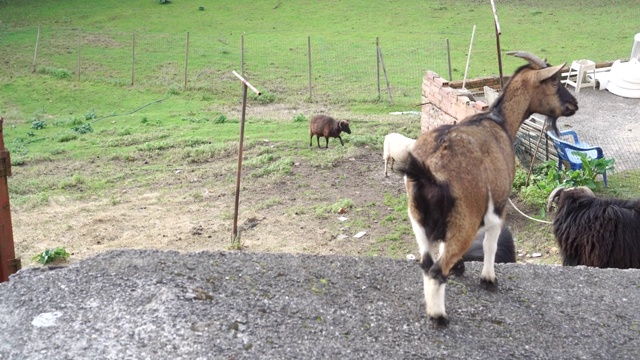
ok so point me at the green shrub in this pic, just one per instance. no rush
(300, 118)
(51, 255)
(220, 119)
(38, 124)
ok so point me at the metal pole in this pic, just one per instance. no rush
(449, 60)
(378, 63)
(8, 263)
(309, 52)
(245, 85)
(239, 172)
(384, 70)
(79, 56)
(133, 56)
(35, 54)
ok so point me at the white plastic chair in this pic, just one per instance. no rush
(580, 69)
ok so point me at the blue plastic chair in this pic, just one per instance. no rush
(565, 151)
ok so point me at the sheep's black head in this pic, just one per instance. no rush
(550, 97)
(560, 191)
(344, 126)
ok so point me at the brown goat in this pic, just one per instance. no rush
(458, 177)
(326, 126)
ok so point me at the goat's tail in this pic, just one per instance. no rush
(431, 200)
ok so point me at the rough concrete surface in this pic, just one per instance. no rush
(137, 304)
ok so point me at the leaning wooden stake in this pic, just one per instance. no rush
(235, 239)
(8, 263)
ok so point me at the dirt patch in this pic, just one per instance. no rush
(191, 209)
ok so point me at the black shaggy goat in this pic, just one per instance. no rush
(598, 232)
(505, 253)
(458, 177)
(326, 126)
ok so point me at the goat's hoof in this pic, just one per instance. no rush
(458, 269)
(489, 285)
(439, 322)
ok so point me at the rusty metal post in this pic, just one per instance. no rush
(245, 85)
(8, 263)
(498, 33)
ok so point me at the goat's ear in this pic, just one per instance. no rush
(546, 73)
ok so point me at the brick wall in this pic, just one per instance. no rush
(443, 104)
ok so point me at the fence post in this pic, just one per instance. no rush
(133, 56)
(384, 69)
(309, 55)
(186, 60)
(79, 32)
(35, 54)
(378, 64)
(449, 60)
(8, 263)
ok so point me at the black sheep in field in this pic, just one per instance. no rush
(598, 232)
(326, 126)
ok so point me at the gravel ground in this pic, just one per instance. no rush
(139, 304)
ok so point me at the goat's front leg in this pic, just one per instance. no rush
(340, 140)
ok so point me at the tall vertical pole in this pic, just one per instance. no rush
(239, 172)
(449, 60)
(35, 53)
(309, 52)
(8, 263)
(79, 55)
(133, 56)
(186, 60)
(245, 85)
(378, 64)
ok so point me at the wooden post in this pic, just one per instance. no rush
(79, 53)
(378, 64)
(245, 85)
(449, 60)
(8, 263)
(309, 55)
(35, 54)
(384, 69)
(133, 56)
(186, 60)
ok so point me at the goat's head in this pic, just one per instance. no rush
(575, 191)
(344, 126)
(549, 97)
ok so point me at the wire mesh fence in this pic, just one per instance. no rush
(288, 68)
(292, 68)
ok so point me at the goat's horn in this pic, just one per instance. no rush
(546, 73)
(552, 197)
(532, 59)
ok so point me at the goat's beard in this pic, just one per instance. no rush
(553, 121)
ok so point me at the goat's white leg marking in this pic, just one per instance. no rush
(493, 226)
(434, 296)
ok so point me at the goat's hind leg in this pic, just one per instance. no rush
(493, 225)
(433, 287)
